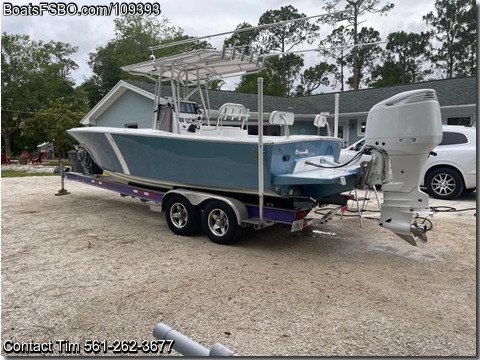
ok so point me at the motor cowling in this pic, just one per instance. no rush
(407, 126)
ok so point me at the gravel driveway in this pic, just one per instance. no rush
(94, 266)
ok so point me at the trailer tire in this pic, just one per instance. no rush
(220, 223)
(182, 217)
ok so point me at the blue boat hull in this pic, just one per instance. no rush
(163, 159)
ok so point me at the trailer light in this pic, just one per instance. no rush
(301, 214)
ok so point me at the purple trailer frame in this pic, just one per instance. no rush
(294, 217)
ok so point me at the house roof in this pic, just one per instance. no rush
(451, 93)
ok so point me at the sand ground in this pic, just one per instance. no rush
(95, 266)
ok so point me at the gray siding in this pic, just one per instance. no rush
(133, 108)
(450, 92)
(129, 108)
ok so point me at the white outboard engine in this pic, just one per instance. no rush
(407, 126)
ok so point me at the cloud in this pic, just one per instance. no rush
(197, 18)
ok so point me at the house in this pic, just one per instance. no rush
(47, 148)
(130, 104)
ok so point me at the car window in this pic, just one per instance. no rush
(358, 145)
(452, 138)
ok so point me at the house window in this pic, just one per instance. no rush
(361, 127)
(131, 126)
(460, 120)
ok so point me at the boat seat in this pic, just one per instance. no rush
(233, 112)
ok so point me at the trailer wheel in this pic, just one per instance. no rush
(220, 223)
(182, 217)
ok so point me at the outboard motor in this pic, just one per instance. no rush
(407, 127)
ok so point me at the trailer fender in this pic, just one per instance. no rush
(198, 198)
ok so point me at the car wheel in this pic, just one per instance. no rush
(444, 183)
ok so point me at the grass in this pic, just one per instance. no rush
(17, 173)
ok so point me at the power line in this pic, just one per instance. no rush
(195, 39)
(318, 49)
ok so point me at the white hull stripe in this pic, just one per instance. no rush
(118, 153)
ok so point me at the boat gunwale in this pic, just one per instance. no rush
(251, 139)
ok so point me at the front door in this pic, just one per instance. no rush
(343, 134)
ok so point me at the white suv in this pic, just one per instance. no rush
(451, 171)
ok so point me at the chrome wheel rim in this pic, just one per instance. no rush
(443, 184)
(178, 215)
(218, 222)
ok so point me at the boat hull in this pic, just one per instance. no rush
(161, 159)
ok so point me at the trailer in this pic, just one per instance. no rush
(221, 216)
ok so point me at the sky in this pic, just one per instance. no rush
(196, 18)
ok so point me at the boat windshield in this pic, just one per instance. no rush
(188, 108)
